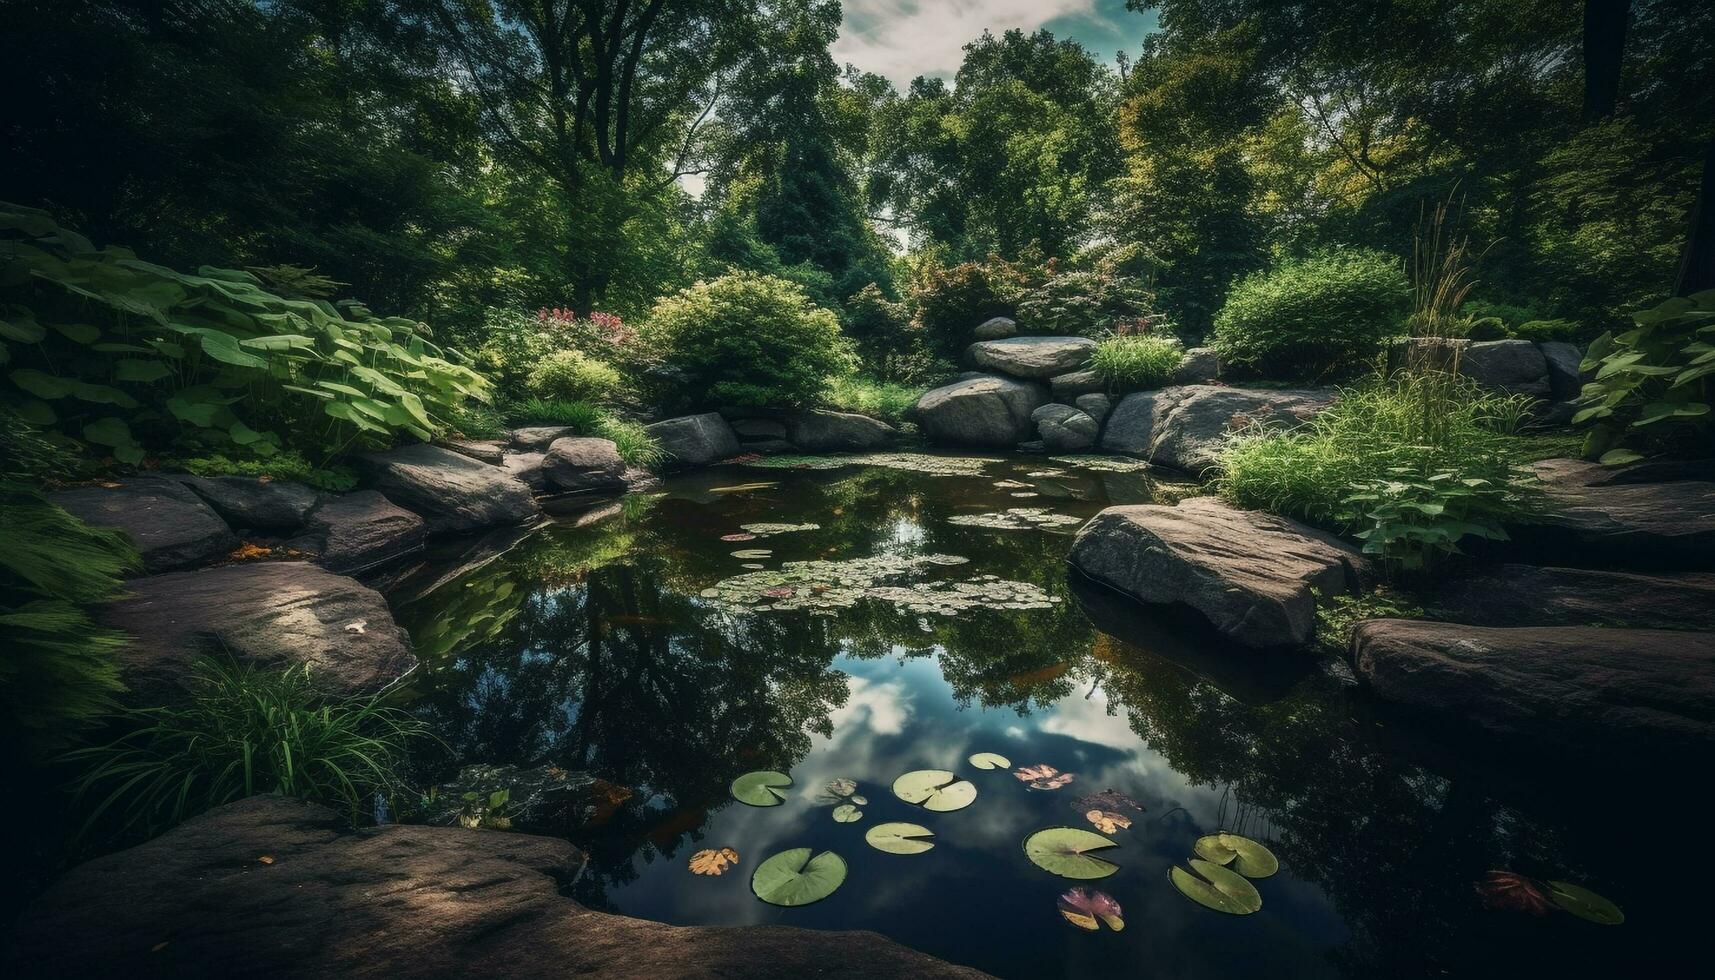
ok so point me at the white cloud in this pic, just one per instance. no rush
(902, 39)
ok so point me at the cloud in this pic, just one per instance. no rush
(902, 39)
(882, 708)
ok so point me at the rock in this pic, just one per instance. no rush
(527, 469)
(1637, 693)
(1032, 446)
(171, 526)
(638, 479)
(260, 613)
(749, 430)
(1186, 426)
(1032, 357)
(696, 440)
(405, 902)
(580, 463)
(354, 532)
(1513, 367)
(1249, 573)
(819, 431)
(996, 328)
(1596, 515)
(488, 451)
(768, 447)
(250, 502)
(1531, 595)
(1200, 365)
(454, 493)
(1067, 387)
(1565, 378)
(1097, 406)
(1064, 429)
(981, 411)
(537, 438)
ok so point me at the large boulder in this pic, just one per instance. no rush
(1533, 595)
(1200, 365)
(402, 902)
(1638, 693)
(981, 411)
(1565, 377)
(1096, 405)
(171, 526)
(1032, 357)
(996, 328)
(819, 431)
(696, 440)
(758, 430)
(527, 469)
(1250, 574)
(454, 493)
(1185, 426)
(1069, 386)
(1064, 429)
(1597, 514)
(355, 532)
(253, 502)
(535, 439)
(580, 463)
(259, 613)
(1513, 367)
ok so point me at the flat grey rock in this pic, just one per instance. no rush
(1032, 357)
(279, 506)
(1513, 367)
(696, 440)
(1067, 387)
(527, 469)
(580, 463)
(535, 439)
(171, 526)
(1064, 429)
(995, 328)
(1097, 406)
(354, 532)
(1599, 512)
(986, 410)
(1565, 378)
(1535, 595)
(1186, 427)
(1200, 365)
(487, 451)
(820, 431)
(453, 493)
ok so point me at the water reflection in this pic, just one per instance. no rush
(590, 648)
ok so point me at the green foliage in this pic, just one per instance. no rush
(1486, 328)
(1311, 317)
(636, 446)
(746, 339)
(130, 356)
(1136, 362)
(1083, 303)
(513, 345)
(889, 402)
(1337, 615)
(245, 731)
(1652, 381)
(570, 375)
(286, 466)
(478, 422)
(951, 301)
(1569, 331)
(1415, 517)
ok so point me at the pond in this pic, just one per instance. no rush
(658, 645)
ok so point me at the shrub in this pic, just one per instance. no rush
(746, 339)
(1136, 362)
(951, 301)
(1652, 382)
(244, 732)
(867, 396)
(569, 375)
(1486, 328)
(1083, 303)
(130, 356)
(888, 345)
(1569, 331)
(1312, 317)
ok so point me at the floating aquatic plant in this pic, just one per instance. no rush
(1242, 854)
(1083, 907)
(795, 877)
(1107, 799)
(990, 760)
(761, 788)
(1042, 776)
(1069, 852)
(847, 813)
(826, 586)
(1015, 519)
(1518, 893)
(713, 861)
(841, 787)
(935, 789)
(1584, 903)
(899, 838)
(752, 553)
(1103, 464)
(746, 536)
(1107, 821)
(764, 530)
(921, 463)
(1215, 887)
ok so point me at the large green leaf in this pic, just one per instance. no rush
(990, 760)
(899, 838)
(141, 371)
(1584, 903)
(1067, 852)
(1242, 854)
(108, 432)
(847, 813)
(1217, 888)
(793, 878)
(935, 789)
(761, 788)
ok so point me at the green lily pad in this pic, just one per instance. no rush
(1242, 854)
(860, 800)
(1584, 903)
(1066, 851)
(793, 878)
(990, 760)
(899, 838)
(761, 788)
(935, 789)
(846, 813)
(752, 553)
(1218, 889)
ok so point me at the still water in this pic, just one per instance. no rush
(605, 642)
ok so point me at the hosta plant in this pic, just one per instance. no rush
(1652, 380)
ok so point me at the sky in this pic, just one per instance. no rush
(902, 39)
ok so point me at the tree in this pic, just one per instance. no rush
(1604, 53)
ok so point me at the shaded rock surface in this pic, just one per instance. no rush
(820, 431)
(995, 328)
(1032, 357)
(1515, 367)
(1599, 514)
(263, 613)
(1578, 688)
(1565, 379)
(1200, 365)
(1249, 573)
(981, 411)
(578, 463)
(454, 493)
(1063, 428)
(537, 438)
(754, 429)
(1066, 387)
(696, 440)
(1096, 406)
(1533, 595)
(527, 469)
(357, 531)
(1185, 426)
(488, 451)
(251, 502)
(395, 902)
(171, 526)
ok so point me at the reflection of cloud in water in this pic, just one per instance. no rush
(880, 708)
(1088, 719)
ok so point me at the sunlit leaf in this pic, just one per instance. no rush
(1107, 821)
(713, 861)
(1213, 886)
(899, 838)
(846, 813)
(1084, 906)
(990, 760)
(1584, 903)
(935, 789)
(1042, 776)
(1242, 854)
(1067, 852)
(793, 878)
(761, 788)
(841, 787)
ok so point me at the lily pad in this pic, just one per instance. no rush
(899, 838)
(1067, 852)
(935, 789)
(990, 760)
(1217, 888)
(767, 529)
(822, 587)
(1016, 518)
(795, 877)
(761, 788)
(713, 861)
(1103, 464)
(752, 553)
(860, 801)
(841, 787)
(921, 463)
(846, 813)
(1084, 906)
(1242, 854)
(747, 536)
(1584, 903)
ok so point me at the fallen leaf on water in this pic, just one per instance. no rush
(714, 861)
(1107, 821)
(1512, 892)
(1107, 799)
(842, 786)
(266, 859)
(249, 552)
(1041, 776)
(743, 536)
(1083, 906)
(780, 592)
(157, 947)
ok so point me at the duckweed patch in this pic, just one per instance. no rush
(825, 586)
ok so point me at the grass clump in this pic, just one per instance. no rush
(285, 466)
(636, 446)
(1136, 362)
(866, 396)
(245, 731)
(1337, 615)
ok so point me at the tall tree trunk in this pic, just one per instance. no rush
(1697, 262)
(1604, 50)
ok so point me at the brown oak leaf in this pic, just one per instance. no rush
(713, 861)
